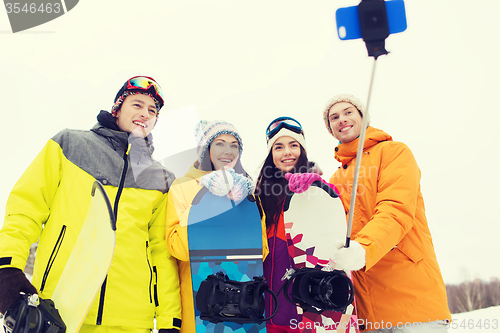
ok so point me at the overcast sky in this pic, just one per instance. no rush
(248, 62)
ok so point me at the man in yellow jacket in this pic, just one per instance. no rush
(397, 280)
(49, 203)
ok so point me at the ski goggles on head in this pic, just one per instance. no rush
(145, 83)
(283, 122)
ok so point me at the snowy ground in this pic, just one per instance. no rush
(478, 321)
(483, 320)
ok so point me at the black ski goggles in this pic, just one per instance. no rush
(283, 122)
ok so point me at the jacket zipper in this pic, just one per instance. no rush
(150, 274)
(154, 294)
(53, 256)
(157, 303)
(273, 260)
(115, 211)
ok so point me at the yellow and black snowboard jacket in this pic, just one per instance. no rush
(49, 204)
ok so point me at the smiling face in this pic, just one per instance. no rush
(224, 151)
(137, 115)
(345, 121)
(286, 152)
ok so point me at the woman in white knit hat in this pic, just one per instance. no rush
(219, 147)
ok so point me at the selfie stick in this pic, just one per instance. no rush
(359, 155)
(374, 28)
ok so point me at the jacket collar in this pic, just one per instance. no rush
(106, 127)
(345, 152)
(196, 173)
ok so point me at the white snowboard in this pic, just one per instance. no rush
(315, 219)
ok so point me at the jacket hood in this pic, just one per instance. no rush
(345, 152)
(108, 128)
(106, 119)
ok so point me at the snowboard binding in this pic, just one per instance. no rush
(220, 299)
(316, 290)
(32, 314)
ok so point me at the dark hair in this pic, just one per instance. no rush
(272, 186)
(206, 164)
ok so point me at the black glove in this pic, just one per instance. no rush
(12, 282)
(168, 330)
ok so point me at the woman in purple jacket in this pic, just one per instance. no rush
(287, 155)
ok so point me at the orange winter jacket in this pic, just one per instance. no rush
(401, 281)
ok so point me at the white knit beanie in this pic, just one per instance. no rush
(343, 98)
(286, 132)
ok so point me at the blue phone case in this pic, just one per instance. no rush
(348, 21)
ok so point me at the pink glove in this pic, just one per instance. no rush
(300, 182)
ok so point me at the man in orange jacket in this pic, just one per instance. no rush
(398, 283)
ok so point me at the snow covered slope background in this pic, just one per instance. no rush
(249, 62)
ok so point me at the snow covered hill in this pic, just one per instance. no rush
(482, 320)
